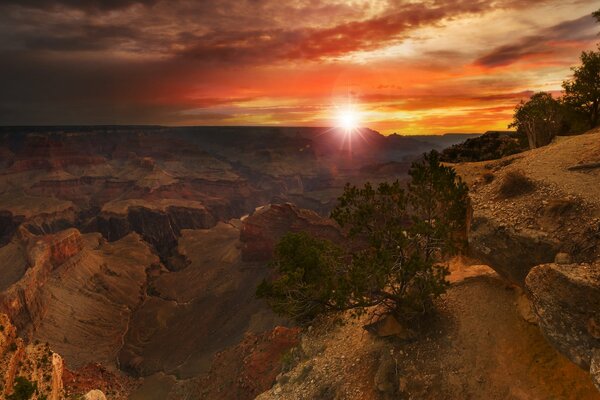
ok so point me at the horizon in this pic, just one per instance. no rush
(41, 126)
(417, 67)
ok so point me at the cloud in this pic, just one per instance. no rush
(230, 61)
(309, 43)
(97, 5)
(545, 43)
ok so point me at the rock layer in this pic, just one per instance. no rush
(36, 363)
(262, 230)
(566, 299)
(560, 214)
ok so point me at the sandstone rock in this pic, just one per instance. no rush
(94, 395)
(509, 252)
(216, 288)
(525, 308)
(385, 376)
(78, 293)
(263, 229)
(566, 299)
(250, 367)
(158, 222)
(388, 326)
(35, 362)
(595, 368)
(562, 258)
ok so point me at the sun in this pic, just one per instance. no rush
(348, 119)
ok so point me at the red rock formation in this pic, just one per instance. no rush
(95, 376)
(262, 230)
(34, 362)
(62, 245)
(249, 368)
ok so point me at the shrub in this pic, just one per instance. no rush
(488, 177)
(514, 184)
(307, 272)
(489, 146)
(561, 207)
(23, 389)
(396, 239)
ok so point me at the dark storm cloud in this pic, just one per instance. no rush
(147, 61)
(79, 4)
(225, 30)
(580, 29)
(263, 45)
(81, 38)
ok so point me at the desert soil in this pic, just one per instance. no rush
(477, 346)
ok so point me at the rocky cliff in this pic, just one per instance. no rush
(536, 221)
(529, 207)
(566, 298)
(33, 366)
(266, 225)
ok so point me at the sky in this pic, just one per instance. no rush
(411, 67)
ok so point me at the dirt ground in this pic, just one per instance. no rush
(478, 346)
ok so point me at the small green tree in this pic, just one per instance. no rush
(23, 389)
(307, 269)
(582, 91)
(540, 119)
(396, 240)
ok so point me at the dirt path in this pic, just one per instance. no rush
(477, 347)
(481, 348)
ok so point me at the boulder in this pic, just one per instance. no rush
(388, 326)
(512, 253)
(566, 300)
(562, 258)
(94, 395)
(385, 376)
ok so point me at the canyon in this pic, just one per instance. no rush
(131, 255)
(129, 251)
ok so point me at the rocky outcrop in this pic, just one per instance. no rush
(262, 229)
(252, 365)
(78, 293)
(8, 226)
(96, 379)
(37, 214)
(512, 253)
(159, 223)
(193, 313)
(566, 299)
(33, 364)
(21, 301)
(559, 213)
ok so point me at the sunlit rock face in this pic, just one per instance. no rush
(78, 291)
(566, 298)
(34, 362)
(561, 214)
(546, 239)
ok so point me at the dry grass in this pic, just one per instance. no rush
(514, 184)
(560, 207)
(488, 177)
